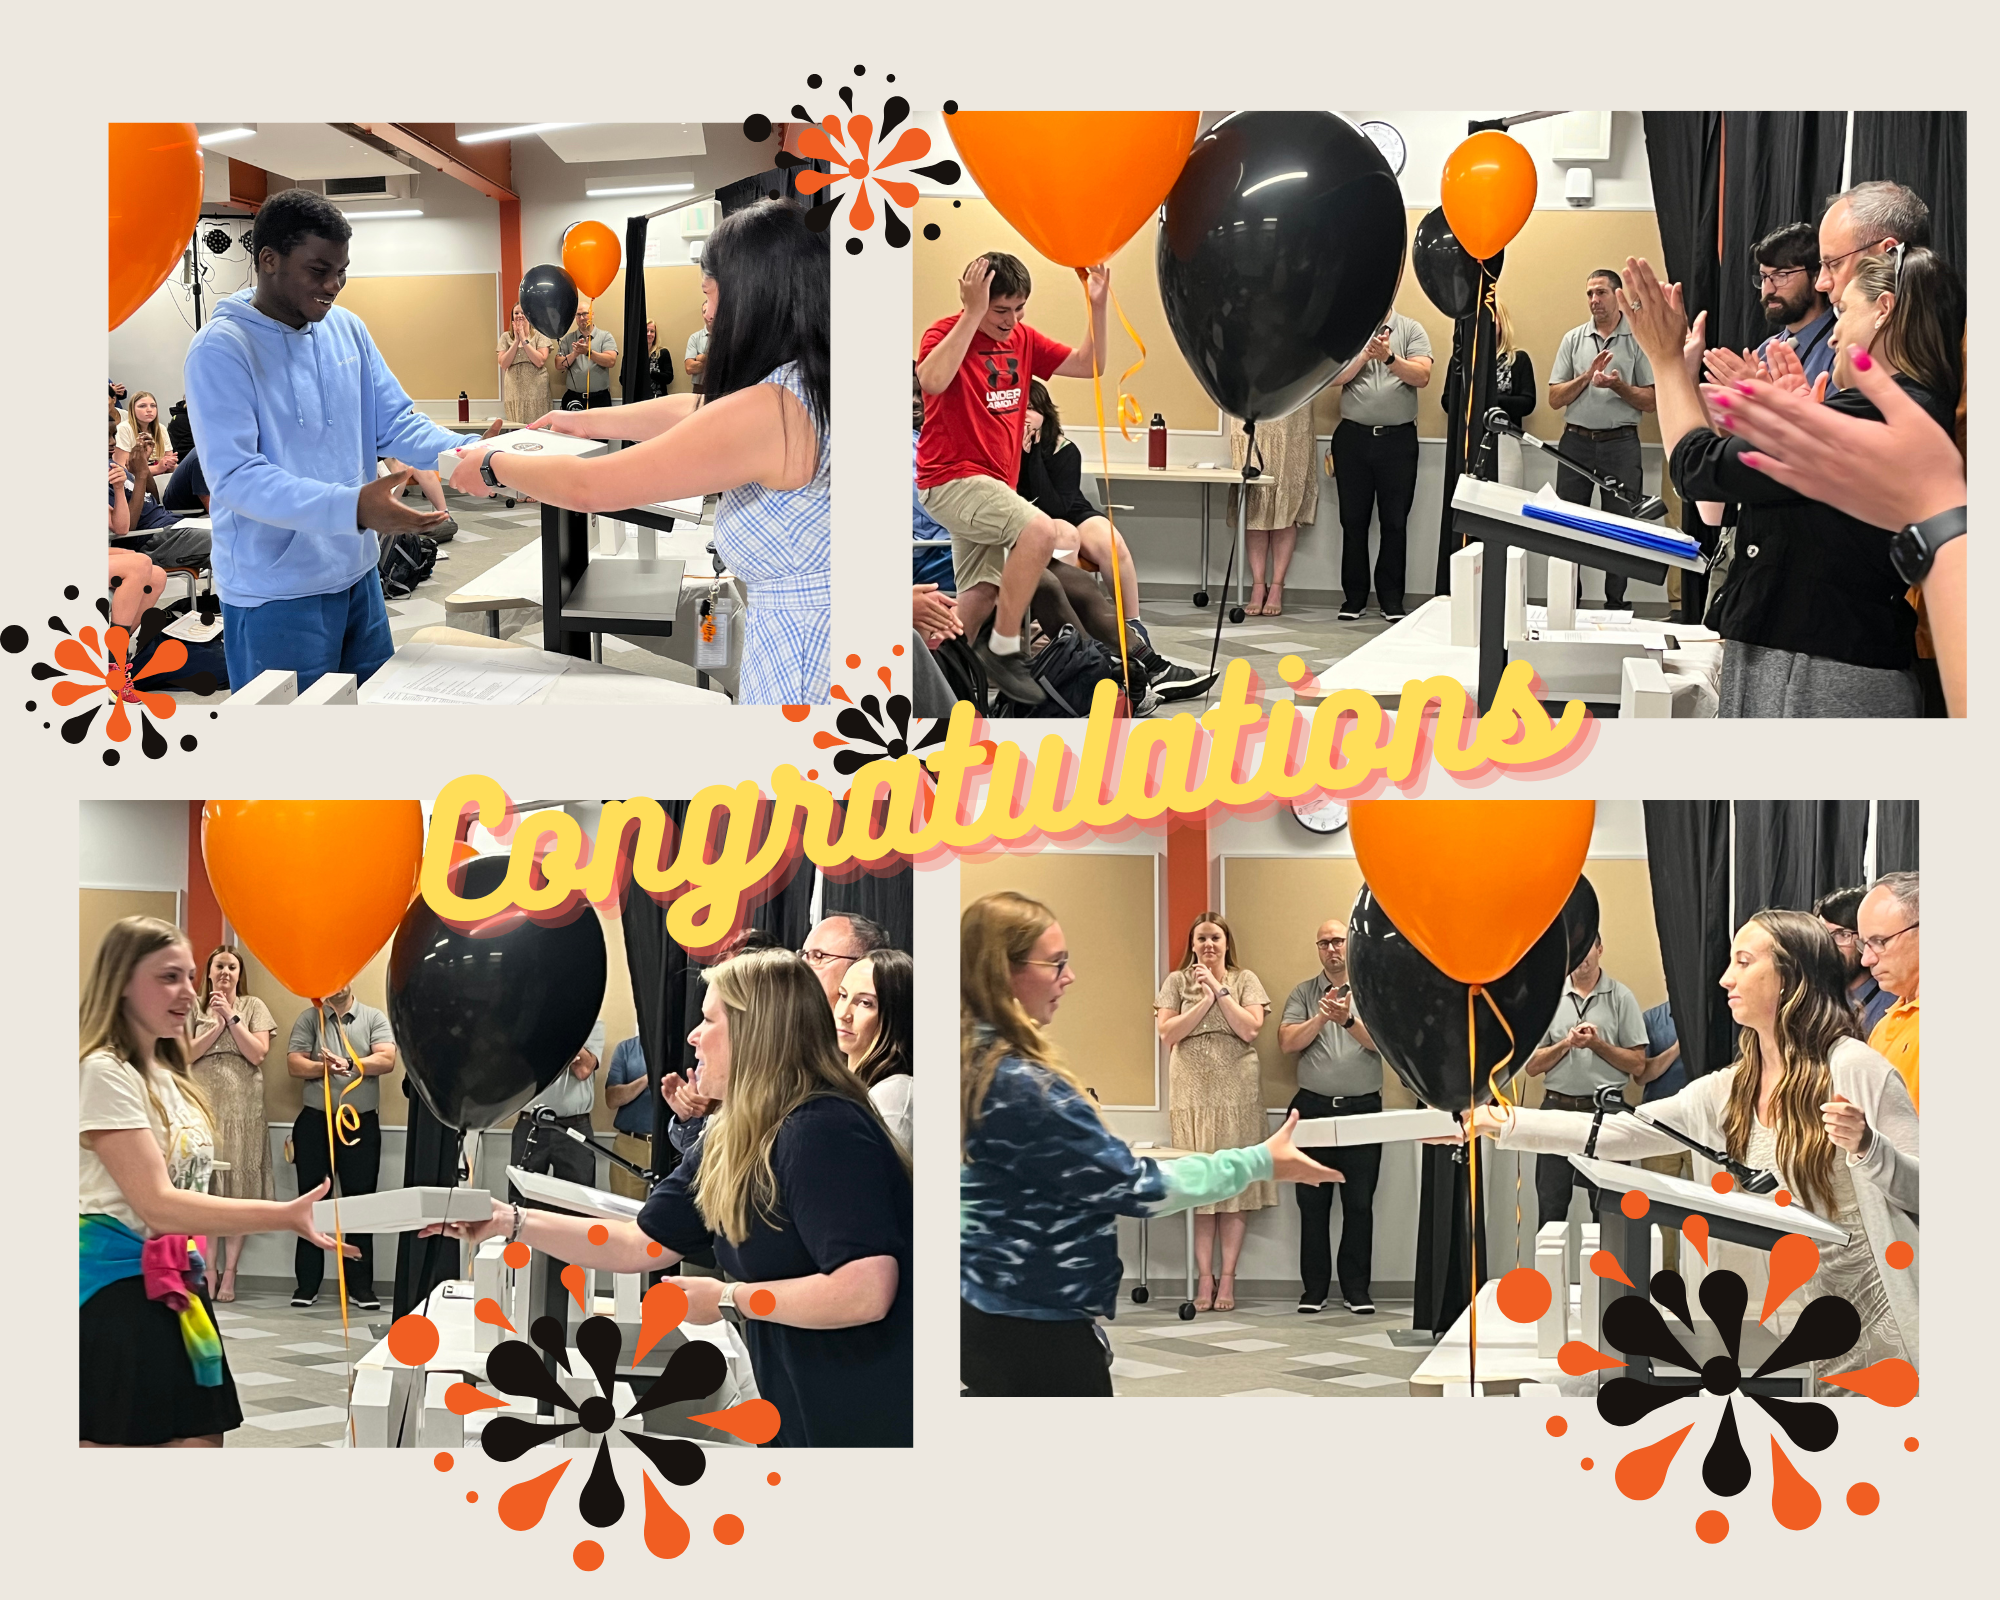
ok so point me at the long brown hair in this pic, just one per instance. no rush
(1228, 941)
(996, 934)
(893, 1053)
(782, 1052)
(102, 1024)
(1813, 1016)
(208, 969)
(1913, 339)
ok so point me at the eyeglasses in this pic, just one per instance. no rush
(1829, 263)
(1840, 935)
(1876, 946)
(1060, 964)
(1768, 277)
(1329, 944)
(823, 958)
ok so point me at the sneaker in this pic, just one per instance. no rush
(1364, 1307)
(1308, 1306)
(1350, 613)
(369, 1304)
(1174, 681)
(1010, 676)
(1394, 616)
(305, 1299)
(1189, 688)
(445, 531)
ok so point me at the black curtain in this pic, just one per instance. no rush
(1472, 340)
(635, 375)
(885, 900)
(1687, 859)
(1924, 151)
(1790, 852)
(430, 1159)
(1443, 1286)
(1895, 836)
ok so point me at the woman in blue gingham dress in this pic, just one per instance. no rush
(778, 542)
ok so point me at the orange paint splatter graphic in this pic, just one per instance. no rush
(1722, 1183)
(462, 1399)
(487, 1310)
(662, 1311)
(1605, 1265)
(773, 1479)
(521, 1507)
(1635, 1204)
(1576, 1358)
(1887, 1383)
(1641, 1473)
(472, 1497)
(755, 1421)
(442, 1461)
(1899, 1255)
(589, 1555)
(1794, 1259)
(1794, 1502)
(1711, 1527)
(762, 1302)
(1587, 1464)
(413, 1340)
(515, 1255)
(666, 1533)
(1863, 1499)
(1523, 1295)
(572, 1280)
(597, 1233)
(1909, 1444)
(1695, 1231)
(653, 1246)
(728, 1528)
(796, 713)
(853, 662)
(1557, 1426)
(1782, 1198)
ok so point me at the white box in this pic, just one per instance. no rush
(443, 1428)
(1374, 1127)
(368, 1401)
(403, 1210)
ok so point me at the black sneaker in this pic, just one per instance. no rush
(1192, 687)
(1364, 1307)
(1395, 615)
(1174, 681)
(1010, 676)
(1350, 613)
(1308, 1306)
(445, 531)
(369, 1304)
(303, 1299)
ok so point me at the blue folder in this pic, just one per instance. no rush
(1673, 544)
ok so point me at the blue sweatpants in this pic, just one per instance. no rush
(322, 633)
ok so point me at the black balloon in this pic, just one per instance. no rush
(485, 1023)
(1416, 1014)
(1279, 256)
(1579, 922)
(1444, 271)
(548, 300)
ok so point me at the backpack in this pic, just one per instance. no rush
(1069, 668)
(407, 559)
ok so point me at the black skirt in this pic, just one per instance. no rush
(135, 1384)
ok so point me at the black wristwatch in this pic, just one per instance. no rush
(486, 470)
(1913, 549)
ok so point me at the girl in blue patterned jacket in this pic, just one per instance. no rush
(1043, 1181)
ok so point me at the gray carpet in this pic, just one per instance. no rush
(290, 1364)
(1263, 1347)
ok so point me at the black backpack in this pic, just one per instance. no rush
(1069, 668)
(407, 559)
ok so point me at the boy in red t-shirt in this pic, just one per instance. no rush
(974, 370)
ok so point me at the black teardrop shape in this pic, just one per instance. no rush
(873, 707)
(1670, 1291)
(939, 171)
(680, 1461)
(1807, 1423)
(1724, 1298)
(43, 671)
(854, 723)
(820, 218)
(1828, 1327)
(1726, 1469)
(151, 740)
(894, 229)
(894, 110)
(58, 624)
(78, 727)
(693, 1372)
(104, 603)
(553, 1338)
(510, 1438)
(849, 762)
(602, 1502)
(513, 1368)
(899, 713)
(847, 95)
(1636, 1327)
(598, 1342)
(800, 114)
(1624, 1401)
(784, 161)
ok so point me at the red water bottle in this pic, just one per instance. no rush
(1156, 444)
(464, 407)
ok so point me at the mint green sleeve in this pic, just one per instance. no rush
(1203, 1180)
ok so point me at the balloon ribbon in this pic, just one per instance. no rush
(1104, 452)
(348, 1122)
(1473, 995)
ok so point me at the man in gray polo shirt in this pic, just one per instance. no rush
(538, 1148)
(1597, 1037)
(317, 1055)
(1375, 460)
(585, 357)
(1603, 380)
(1339, 1075)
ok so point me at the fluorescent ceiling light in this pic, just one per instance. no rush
(644, 188)
(486, 135)
(224, 135)
(365, 216)
(1282, 177)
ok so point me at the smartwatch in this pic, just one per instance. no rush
(1349, 1023)
(486, 470)
(726, 1301)
(1914, 548)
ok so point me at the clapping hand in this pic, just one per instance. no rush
(681, 1099)
(934, 615)
(1788, 373)
(1724, 365)
(1655, 313)
(1695, 347)
(1336, 1007)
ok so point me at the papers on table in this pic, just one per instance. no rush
(193, 629)
(470, 678)
(1374, 1127)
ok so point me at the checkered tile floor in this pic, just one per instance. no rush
(1185, 633)
(290, 1365)
(1264, 1347)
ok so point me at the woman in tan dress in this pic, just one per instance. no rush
(1280, 509)
(231, 1035)
(524, 379)
(1209, 1012)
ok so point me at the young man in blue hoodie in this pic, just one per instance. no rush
(292, 406)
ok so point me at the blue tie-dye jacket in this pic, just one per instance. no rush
(1041, 1190)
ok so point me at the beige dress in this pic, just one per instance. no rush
(235, 1093)
(1290, 454)
(1214, 1097)
(524, 387)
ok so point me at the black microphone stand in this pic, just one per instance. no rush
(544, 1117)
(1648, 508)
(1611, 1101)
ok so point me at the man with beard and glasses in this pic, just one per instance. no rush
(1787, 265)
(1839, 913)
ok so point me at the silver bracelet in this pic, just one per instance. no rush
(518, 1220)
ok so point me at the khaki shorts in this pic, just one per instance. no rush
(984, 517)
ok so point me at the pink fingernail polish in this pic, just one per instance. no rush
(1743, 388)
(1727, 424)
(1863, 362)
(1725, 401)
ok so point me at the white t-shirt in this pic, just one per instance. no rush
(111, 1095)
(892, 1097)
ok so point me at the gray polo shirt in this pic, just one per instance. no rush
(569, 1095)
(1334, 1064)
(1375, 396)
(587, 374)
(1601, 408)
(1609, 1008)
(365, 1028)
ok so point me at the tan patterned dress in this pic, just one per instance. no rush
(1290, 453)
(235, 1093)
(1214, 1097)
(524, 387)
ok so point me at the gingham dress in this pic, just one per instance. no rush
(779, 543)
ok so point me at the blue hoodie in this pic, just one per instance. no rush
(288, 423)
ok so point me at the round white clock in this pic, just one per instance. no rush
(1390, 143)
(1320, 814)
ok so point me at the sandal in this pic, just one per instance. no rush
(1255, 605)
(228, 1290)
(1225, 1302)
(1274, 604)
(1204, 1297)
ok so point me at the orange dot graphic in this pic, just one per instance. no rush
(1863, 1498)
(1909, 1444)
(589, 1555)
(773, 1479)
(1711, 1527)
(413, 1340)
(1586, 1463)
(442, 1461)
(1635, 1205)
(728, 1529)
(597, 1233)
(1557, 1426)
(895, 649)
(853, 661)
(515, 1255)
(1721, 1183)
(655, 1249)
(1899, 1255)
(472, 1497)
(1782, 1198)
(796, 713)
(812, 774)
(761, 1302)
(1523, 1295)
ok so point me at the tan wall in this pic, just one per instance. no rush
(437, 333)
(673, 300)
(98, 909)
(1541, 283)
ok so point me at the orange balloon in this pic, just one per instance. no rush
(155, 203)
(315, 887)
(1472, 883)
(590, 256)
(1075, 184)
(1488, 192)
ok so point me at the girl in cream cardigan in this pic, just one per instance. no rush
(1806, 1099)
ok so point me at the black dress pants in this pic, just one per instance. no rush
(1610, 458)
(358, 1166)
(1017, 1356)
(1361, 1166)
(1375, 470)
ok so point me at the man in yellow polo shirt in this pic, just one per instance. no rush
(1887, 922)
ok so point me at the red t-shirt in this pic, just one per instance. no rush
(973, 429)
